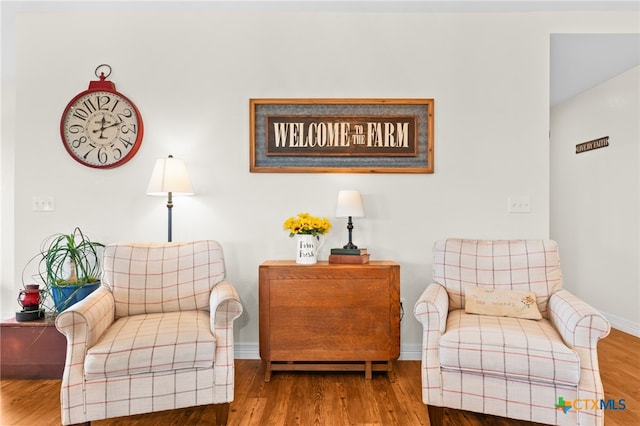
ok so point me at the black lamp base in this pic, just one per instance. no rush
(350, 245)
(29, 315)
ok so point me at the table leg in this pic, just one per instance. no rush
(390, 373)
(267, 371)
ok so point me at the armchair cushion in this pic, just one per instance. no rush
(152, 343)
(511, 348)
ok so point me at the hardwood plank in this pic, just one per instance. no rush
(619, 358)
(360, 392)
(328, 398)
(408, 393)
(30, 402)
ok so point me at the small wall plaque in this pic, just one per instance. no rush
(594, 144)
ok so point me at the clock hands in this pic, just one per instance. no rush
(117, 123)
(103, 126)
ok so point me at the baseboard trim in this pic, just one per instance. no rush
(623, 324)
(246, 351)
(410, 352)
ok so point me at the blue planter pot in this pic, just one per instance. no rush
(65, 296)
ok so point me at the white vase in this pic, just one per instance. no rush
(307, 247)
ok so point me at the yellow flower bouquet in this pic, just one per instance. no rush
(304, 223)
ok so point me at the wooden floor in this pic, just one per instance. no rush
(334, 399)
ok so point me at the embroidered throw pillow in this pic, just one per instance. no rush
(501, 303)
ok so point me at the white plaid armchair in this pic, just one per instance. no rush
(157, 335)
(512, 367)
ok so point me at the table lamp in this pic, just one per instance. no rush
(350, 206)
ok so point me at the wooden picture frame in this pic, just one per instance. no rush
(341, 135)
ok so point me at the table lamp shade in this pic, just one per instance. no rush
(170, 175)
(349, 204)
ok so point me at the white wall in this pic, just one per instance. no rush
(595, 197)
(192, 75)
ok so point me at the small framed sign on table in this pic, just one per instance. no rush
(341, 135)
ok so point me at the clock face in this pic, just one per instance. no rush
(101, 129)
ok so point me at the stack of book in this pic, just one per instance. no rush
(343, 255)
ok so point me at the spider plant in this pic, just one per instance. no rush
(68, 261)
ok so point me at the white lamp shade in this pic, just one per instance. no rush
(349, 204)
(170, 175)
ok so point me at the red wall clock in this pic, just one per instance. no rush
(101, 127)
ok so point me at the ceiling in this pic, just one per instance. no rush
(578, 61)
(582, 61)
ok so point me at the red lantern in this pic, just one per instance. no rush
(29, 298)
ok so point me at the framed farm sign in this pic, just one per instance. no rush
(341, 135)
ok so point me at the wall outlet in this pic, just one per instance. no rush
(520, 204)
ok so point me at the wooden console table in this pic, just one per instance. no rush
(326, 317)
(31, 350)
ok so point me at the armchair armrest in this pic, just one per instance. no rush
(84, 322)
(432, 308)
(224, 305)
(579, 324)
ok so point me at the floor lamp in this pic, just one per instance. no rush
(169, 177)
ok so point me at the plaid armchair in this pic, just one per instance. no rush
(157, 335)
(503, 365)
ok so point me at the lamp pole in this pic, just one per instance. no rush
(169, 208)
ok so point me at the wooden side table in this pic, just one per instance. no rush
(326, 317)
(31, 350)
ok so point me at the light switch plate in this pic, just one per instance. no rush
(520, 204)
(43, 203)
